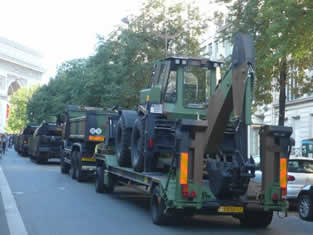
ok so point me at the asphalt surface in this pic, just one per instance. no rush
(51, 203)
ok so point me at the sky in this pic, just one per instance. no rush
(62, 29)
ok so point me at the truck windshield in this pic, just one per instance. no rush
(196, 87)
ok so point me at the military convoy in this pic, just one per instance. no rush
(186, 143)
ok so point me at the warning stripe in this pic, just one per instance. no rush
(183, 168)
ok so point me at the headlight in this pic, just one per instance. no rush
(92, 131)
(156, 108)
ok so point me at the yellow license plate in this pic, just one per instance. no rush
(230, 209)
(86, 159)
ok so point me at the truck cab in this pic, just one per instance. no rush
(181, 86)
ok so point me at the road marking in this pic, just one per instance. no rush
(15, 222)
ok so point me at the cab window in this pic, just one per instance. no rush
(170, 94)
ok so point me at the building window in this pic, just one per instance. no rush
(210, 48)
(311, 125)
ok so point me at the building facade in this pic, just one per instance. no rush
(19, 67)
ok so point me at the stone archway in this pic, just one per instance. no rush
(14, 86)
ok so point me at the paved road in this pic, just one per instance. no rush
(53, 204)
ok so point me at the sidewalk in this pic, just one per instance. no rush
(4, 229)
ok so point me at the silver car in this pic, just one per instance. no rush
(300, 174)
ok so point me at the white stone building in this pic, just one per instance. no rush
(299, 111)
(19, 67)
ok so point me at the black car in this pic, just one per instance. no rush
(305, 203)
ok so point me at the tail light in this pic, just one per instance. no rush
(291, 178)
(185, 190)
(150, 143)
(275, 197)
(193, 194)
(283, 177)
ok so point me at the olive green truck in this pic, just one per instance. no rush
(186, 144)
(83, 129)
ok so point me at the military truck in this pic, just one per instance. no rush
(83, 129)
(21, 141)
(45, 142)
(186, 143)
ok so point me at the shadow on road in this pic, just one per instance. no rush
(138, 201)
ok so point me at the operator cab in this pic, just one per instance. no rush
(185, 85)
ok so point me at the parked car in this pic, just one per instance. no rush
(300, 174)
(305, 203)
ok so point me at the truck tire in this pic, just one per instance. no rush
(63, 165)
(159, 217)
(305, 207)
(137, 146)
(122, 143)
(37, 158)
(73, 166)
(99, 179)
(256, 219)
(79, 173)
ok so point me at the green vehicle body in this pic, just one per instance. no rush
(83, 128)
(22, 141)
(196, 109)
(45, 142)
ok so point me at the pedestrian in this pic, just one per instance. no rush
(4, 143)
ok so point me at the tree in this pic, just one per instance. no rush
(283, 35)
(18, 101)
(123, 62)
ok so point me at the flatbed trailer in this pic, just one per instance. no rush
(127, 176)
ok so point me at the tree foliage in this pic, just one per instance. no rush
(123, 61)
(18, 103)
(284, 43)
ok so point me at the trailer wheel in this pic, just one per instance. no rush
(159, 217)
(78, 171)
(259, 219)
(122, 143)
(137, 146)
(73, 166)
(63, 165)
(99, 179)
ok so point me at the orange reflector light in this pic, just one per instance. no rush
(283, 176)
(96, 138)
(183, 168)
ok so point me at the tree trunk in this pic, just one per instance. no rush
(282, 92)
